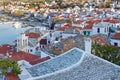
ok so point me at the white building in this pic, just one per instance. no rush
(115, 40)
(22, 43)
(113, 22)
(79, 23)
(33, 41)
(101, 28)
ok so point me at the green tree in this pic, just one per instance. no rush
(48, 1)
(16, 68)
(108, 52)
(6, 65)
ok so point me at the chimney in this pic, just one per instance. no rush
(88, 45)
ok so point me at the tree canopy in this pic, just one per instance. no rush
(108, 52)
(9, 66)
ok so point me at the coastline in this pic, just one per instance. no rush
(7, 22)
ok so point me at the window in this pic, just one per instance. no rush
(115, 44)
(98, 30)
(105, 30)
(111, 26)
(88, 33)
(37, 29)
(31, 50)
(117, 26)
(84, 32)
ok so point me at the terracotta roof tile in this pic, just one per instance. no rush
(116, 36)
(96, 21)
(99, 39)
(79, 28)
(31, 58)
(114, 21)
(6, 48)
(12, 76)
(67, 26)
(23, 56)
(89, 26)
(61, 29)
(39, 60)
(91, 23)
(118, 29)
(33, 35)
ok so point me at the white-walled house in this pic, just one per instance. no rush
(22, 43)
(58, 25)
(101, 28)
(39, 28)
(115, 40)
(79, 23)
(87, 30)
(114, 23)
(33, 41)
(54, 37)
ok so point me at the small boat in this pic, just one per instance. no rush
(17, 24)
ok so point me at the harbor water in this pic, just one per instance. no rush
(8, 33)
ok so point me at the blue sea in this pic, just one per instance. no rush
(8, 34)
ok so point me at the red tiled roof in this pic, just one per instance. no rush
(6, 48)
(118, 29)
(61, 29)
(12, 76)
(79, 28)
(116, 36)
(99, 39)
(33, 35)
(89, 26)
(39, 60)
(96, 21)
(91, 23)
(67, 26)
(114, 21)
(23, 56)
(31, 58)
